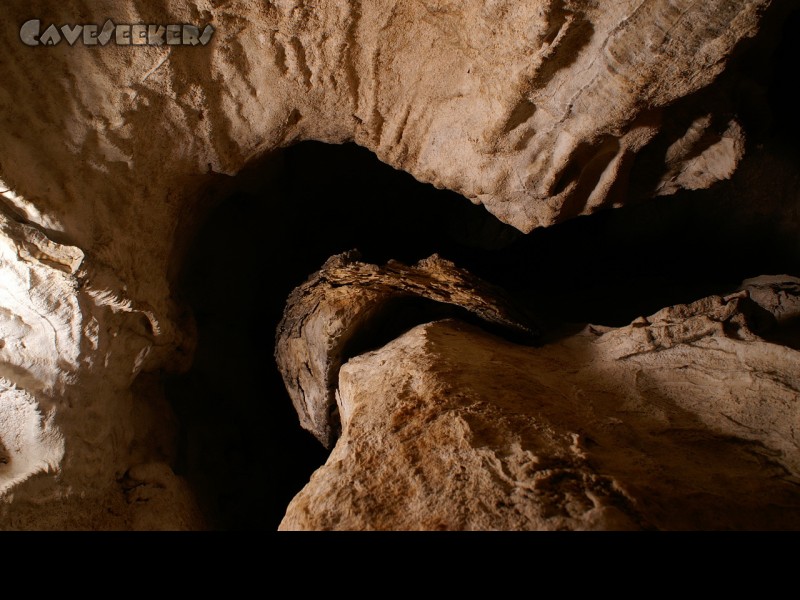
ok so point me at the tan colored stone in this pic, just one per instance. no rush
(778, 294)
(343, 306)
(534, 109)
(683, 420)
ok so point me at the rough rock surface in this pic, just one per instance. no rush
(534, 109)
(683, 420)
(551, 134)
(778, 294)
(61, 333)
(343, 307)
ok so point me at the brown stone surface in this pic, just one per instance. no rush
(683, 420)
(341, 309)
(108, 154)
(536, 110)
(778, 294)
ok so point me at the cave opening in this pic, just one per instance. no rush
(118, 230)
(241, 446)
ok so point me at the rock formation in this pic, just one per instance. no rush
(110, 156)
(339, 311)
(682, 420)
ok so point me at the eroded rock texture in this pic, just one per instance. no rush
(534, 109)
(61, 414)
(683, 420)
(108, 155)
(349, 305)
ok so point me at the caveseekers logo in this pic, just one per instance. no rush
(139, 34)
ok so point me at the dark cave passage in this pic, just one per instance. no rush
(241, 446)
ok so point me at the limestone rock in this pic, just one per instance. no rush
(684, 420)
(343, 306)
(534, 109)
(778, 294)
(734, 316)
(61, 415)
(702, 156)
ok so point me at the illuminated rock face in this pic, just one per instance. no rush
(677, 421)
(341, 309)
(536, 110)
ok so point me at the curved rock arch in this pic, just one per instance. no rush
(536, 111)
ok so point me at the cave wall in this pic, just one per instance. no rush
(107, 155)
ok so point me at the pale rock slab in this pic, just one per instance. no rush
(62, 417)
(682, 420)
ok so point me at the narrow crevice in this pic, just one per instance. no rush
(240, 443)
